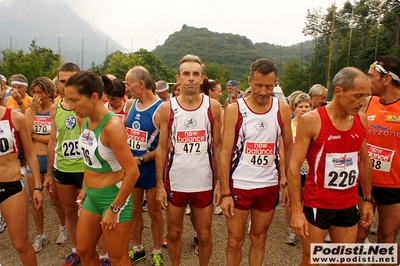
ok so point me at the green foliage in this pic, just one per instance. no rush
(294, 78)
(363, 31)
(234, 52)
(39, 62)
(119, 63)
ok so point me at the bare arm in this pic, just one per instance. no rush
(113, 128)
(51, 146)
(20, 123)
(366, 179)
(304, 135)
(127, 110)
(162, 153)
(216, 111)
(286, 134)
(230, 120)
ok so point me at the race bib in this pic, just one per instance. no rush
(6, 137)
(381, 158)
(88, 143)
(137, 139)
(42, 125)
(259, 153)
(70, 149)
(191, 141)
(341, 170)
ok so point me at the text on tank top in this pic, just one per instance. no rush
(9, 139)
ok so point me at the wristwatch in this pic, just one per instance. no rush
(115, 208)
(39, 188)
(141, 159)
(19, 103)
(372, 200)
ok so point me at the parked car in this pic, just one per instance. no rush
(278, 93)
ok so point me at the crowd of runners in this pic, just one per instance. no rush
(106, 150)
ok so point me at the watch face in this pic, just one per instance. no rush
(114, 208)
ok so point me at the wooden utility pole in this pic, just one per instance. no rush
(328, 80)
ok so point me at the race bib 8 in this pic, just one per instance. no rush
(259, 153)
(341, 170)
(381, 158)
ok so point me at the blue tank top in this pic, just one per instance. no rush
(143, 134)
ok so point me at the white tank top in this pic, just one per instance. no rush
(189, 161)
(255, 161)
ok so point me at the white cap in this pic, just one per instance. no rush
(161, 86)
(3, 78)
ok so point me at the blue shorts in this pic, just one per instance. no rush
(42, 159)
(98, 201)
(146, 182)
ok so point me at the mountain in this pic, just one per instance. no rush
(53, 25)
(233, 51)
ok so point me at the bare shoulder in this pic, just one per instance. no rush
(283, 103)
(114, 127)
(164, 110)
(18, 119)
(310, 123)
(129, 104)
(216, 107)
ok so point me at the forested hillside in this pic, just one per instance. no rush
(234, 52)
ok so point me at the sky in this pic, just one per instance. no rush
(136, 24)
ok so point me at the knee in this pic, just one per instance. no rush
(155, 214)
(362, 233)
(56, 203)
(22, 246)
(84, 252)
(119, 261)
(258, 239)
(174, 234)
(71, 212)
(235, 242)
(386, 235)
(136, 213)
(204, 237)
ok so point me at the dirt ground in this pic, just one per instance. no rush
(277, 253)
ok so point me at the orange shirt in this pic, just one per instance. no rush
(383, 142)
(12, 104)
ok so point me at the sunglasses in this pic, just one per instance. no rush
(377, 67)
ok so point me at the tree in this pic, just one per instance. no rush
(119, 63)
(294, 78)
(39, 62)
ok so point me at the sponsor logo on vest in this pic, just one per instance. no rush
(382, 131)
(342, 162)
(371, 117)
(261, 125)
(70, 122)
(392, 118)
(334, 137)
(190, 122)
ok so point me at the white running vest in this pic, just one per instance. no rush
(255, 159)
(189, 160)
